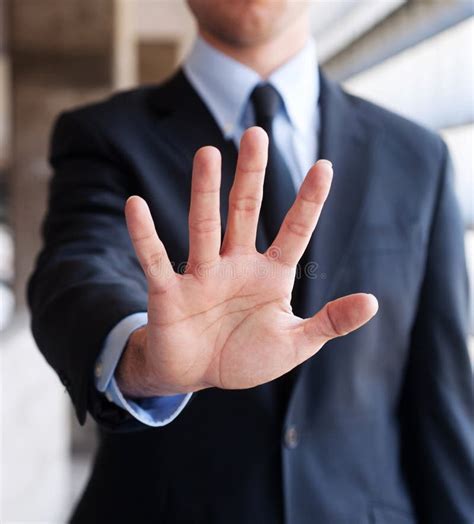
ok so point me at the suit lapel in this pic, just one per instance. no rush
(344, 141)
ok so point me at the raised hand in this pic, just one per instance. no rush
(227, 322)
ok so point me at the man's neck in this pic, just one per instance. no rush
(266, 57)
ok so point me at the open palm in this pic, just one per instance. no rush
(227, 322)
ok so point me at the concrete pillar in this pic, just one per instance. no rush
(62, 53)
(4, 90)
(165, 33)
(157, 59)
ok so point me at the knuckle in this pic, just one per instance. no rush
(245, 204)
(332, 324)
(204, 190)
(138, 239)
(311, 200)
(154, 265)
(204, 225)
(299, 229)
(251, 170)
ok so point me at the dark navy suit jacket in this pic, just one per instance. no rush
(377, 427)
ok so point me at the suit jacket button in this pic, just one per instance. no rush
(291, 437)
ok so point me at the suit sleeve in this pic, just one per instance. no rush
(437, 405)
(87, 277)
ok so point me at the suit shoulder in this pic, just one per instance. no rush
(402, 133)
(110, 125)
(120, 109)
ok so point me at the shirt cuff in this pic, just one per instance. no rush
(154, 411)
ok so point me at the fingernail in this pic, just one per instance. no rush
(324, 161)
(374, 298)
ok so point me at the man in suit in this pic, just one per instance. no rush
(212, 404)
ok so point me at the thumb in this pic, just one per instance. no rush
(336, 319)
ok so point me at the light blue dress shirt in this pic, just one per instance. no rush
(225, 86)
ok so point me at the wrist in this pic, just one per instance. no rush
(136, 375)
(132, 372)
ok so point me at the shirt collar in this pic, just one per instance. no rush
(297, 81)
(222, 82)
(226, 84)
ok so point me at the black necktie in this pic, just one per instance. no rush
(278, 195)
(278, 190)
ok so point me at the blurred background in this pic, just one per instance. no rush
(412, 56)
